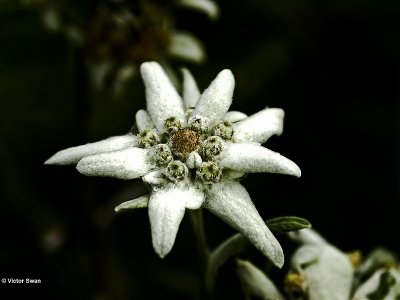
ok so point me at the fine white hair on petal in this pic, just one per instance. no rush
(163, 101)
(327, 271)
(253, 158)
(373, 283)
(208, 7)
(260, 126)
(234, 116)
(187, 47)
(190, 90)
(216, 99)
(143, 120)
(141, 202)
(166, 210)
(255, 283)
(194, 197)
(128, 163)
(74, 154)
(230, 174)
(231, 202)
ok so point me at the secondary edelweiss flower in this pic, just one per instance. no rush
(325, 272)
(191, 153)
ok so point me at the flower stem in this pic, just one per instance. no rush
(196, 220)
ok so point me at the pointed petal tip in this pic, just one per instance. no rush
(275, 254)
(227, 75)
(162, 250)
(225, 80)
(161, 254)
(253, 158)
(146, 66)
(226, 72)
(149, 68)
(61, 158)
(288, 166)
(296, 171)
(81, 167)
(73, 155)
(50, 161)
(280, 261)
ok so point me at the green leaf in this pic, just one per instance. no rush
(229, 248)
(286, 224)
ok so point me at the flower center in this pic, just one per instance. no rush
(184, 141)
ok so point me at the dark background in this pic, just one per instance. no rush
(333, 66)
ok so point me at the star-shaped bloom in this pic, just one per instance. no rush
(192, 152)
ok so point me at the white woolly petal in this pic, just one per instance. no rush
(307, 236)
(163, 101)
(166, 210)
(194, 197)
(372, 284)
(216, 99)
(155, 178)
(230, 174)
(190, 91)
(208, 7)
(255, 283)
(187, 47)
(74, 154)
(124, 164)
(141, 202)
(231, 202)
(253, 158)
(234, 116)
(143, 120)
(327, 271)
(260, 126)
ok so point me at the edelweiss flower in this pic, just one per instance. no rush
(383, 284)
(326, 272)
(192, 154)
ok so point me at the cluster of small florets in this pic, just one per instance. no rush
(187, 152)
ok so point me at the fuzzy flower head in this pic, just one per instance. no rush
(191, 151)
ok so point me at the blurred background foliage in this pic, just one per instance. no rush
(332, 65)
